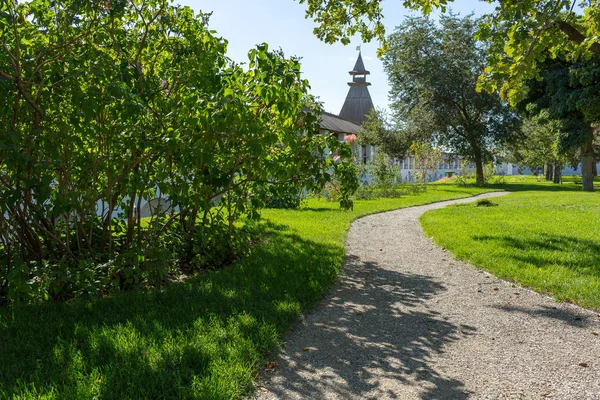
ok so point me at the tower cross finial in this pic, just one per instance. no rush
(358, 48)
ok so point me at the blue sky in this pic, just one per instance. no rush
(281, 23)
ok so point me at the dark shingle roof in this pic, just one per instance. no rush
(358, 103)
(333, 123)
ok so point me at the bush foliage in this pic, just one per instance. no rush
(105, 105)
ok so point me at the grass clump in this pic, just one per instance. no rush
(546, 240)
(202, 338)
(485, 203)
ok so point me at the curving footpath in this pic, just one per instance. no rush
(407, 321)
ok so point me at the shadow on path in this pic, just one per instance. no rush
(373, 340)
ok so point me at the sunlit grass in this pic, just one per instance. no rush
(577, 179)
(546, 240)
(204, 338)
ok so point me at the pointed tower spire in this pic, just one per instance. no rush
(358, 100)
(359, 67)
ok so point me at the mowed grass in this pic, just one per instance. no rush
(204, 338)
(546, 240)
(577, 179)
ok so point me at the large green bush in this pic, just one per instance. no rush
(103, 105)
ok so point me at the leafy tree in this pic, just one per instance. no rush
(390, 139)
(427, 160)
(569, 93)
(433, 75)
(522, 33)
(394, 143)
(383, 172)
(538, 148)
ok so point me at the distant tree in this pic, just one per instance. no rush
(539, 147)
(433, 72)
(383, 172)
(570, 93)
(427, 160)
(389, 138)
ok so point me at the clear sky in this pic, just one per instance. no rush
(281, 23)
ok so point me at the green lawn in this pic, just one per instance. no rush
(548, 240)
(204, 338)
(577, 179)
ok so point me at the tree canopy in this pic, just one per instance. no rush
(432, 70)
(379, 131)
(522, 33)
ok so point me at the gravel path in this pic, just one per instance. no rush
(407, 321)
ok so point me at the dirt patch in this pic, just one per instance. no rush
(446, 179)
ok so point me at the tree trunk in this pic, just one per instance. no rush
(587, 176)
(130, 219)
(576, 36)
(587, 163)
(557, 173)
(549, 171)
(479, 179)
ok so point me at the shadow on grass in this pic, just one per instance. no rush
(569, 317)
(368, 338)
(460, 190)
(540, 187)
(202, 338)
(550, 249)
(321, 209)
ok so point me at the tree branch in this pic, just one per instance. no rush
(576, 36)
(8, 77)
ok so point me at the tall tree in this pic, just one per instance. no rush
(523, 33)
(433, 72)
